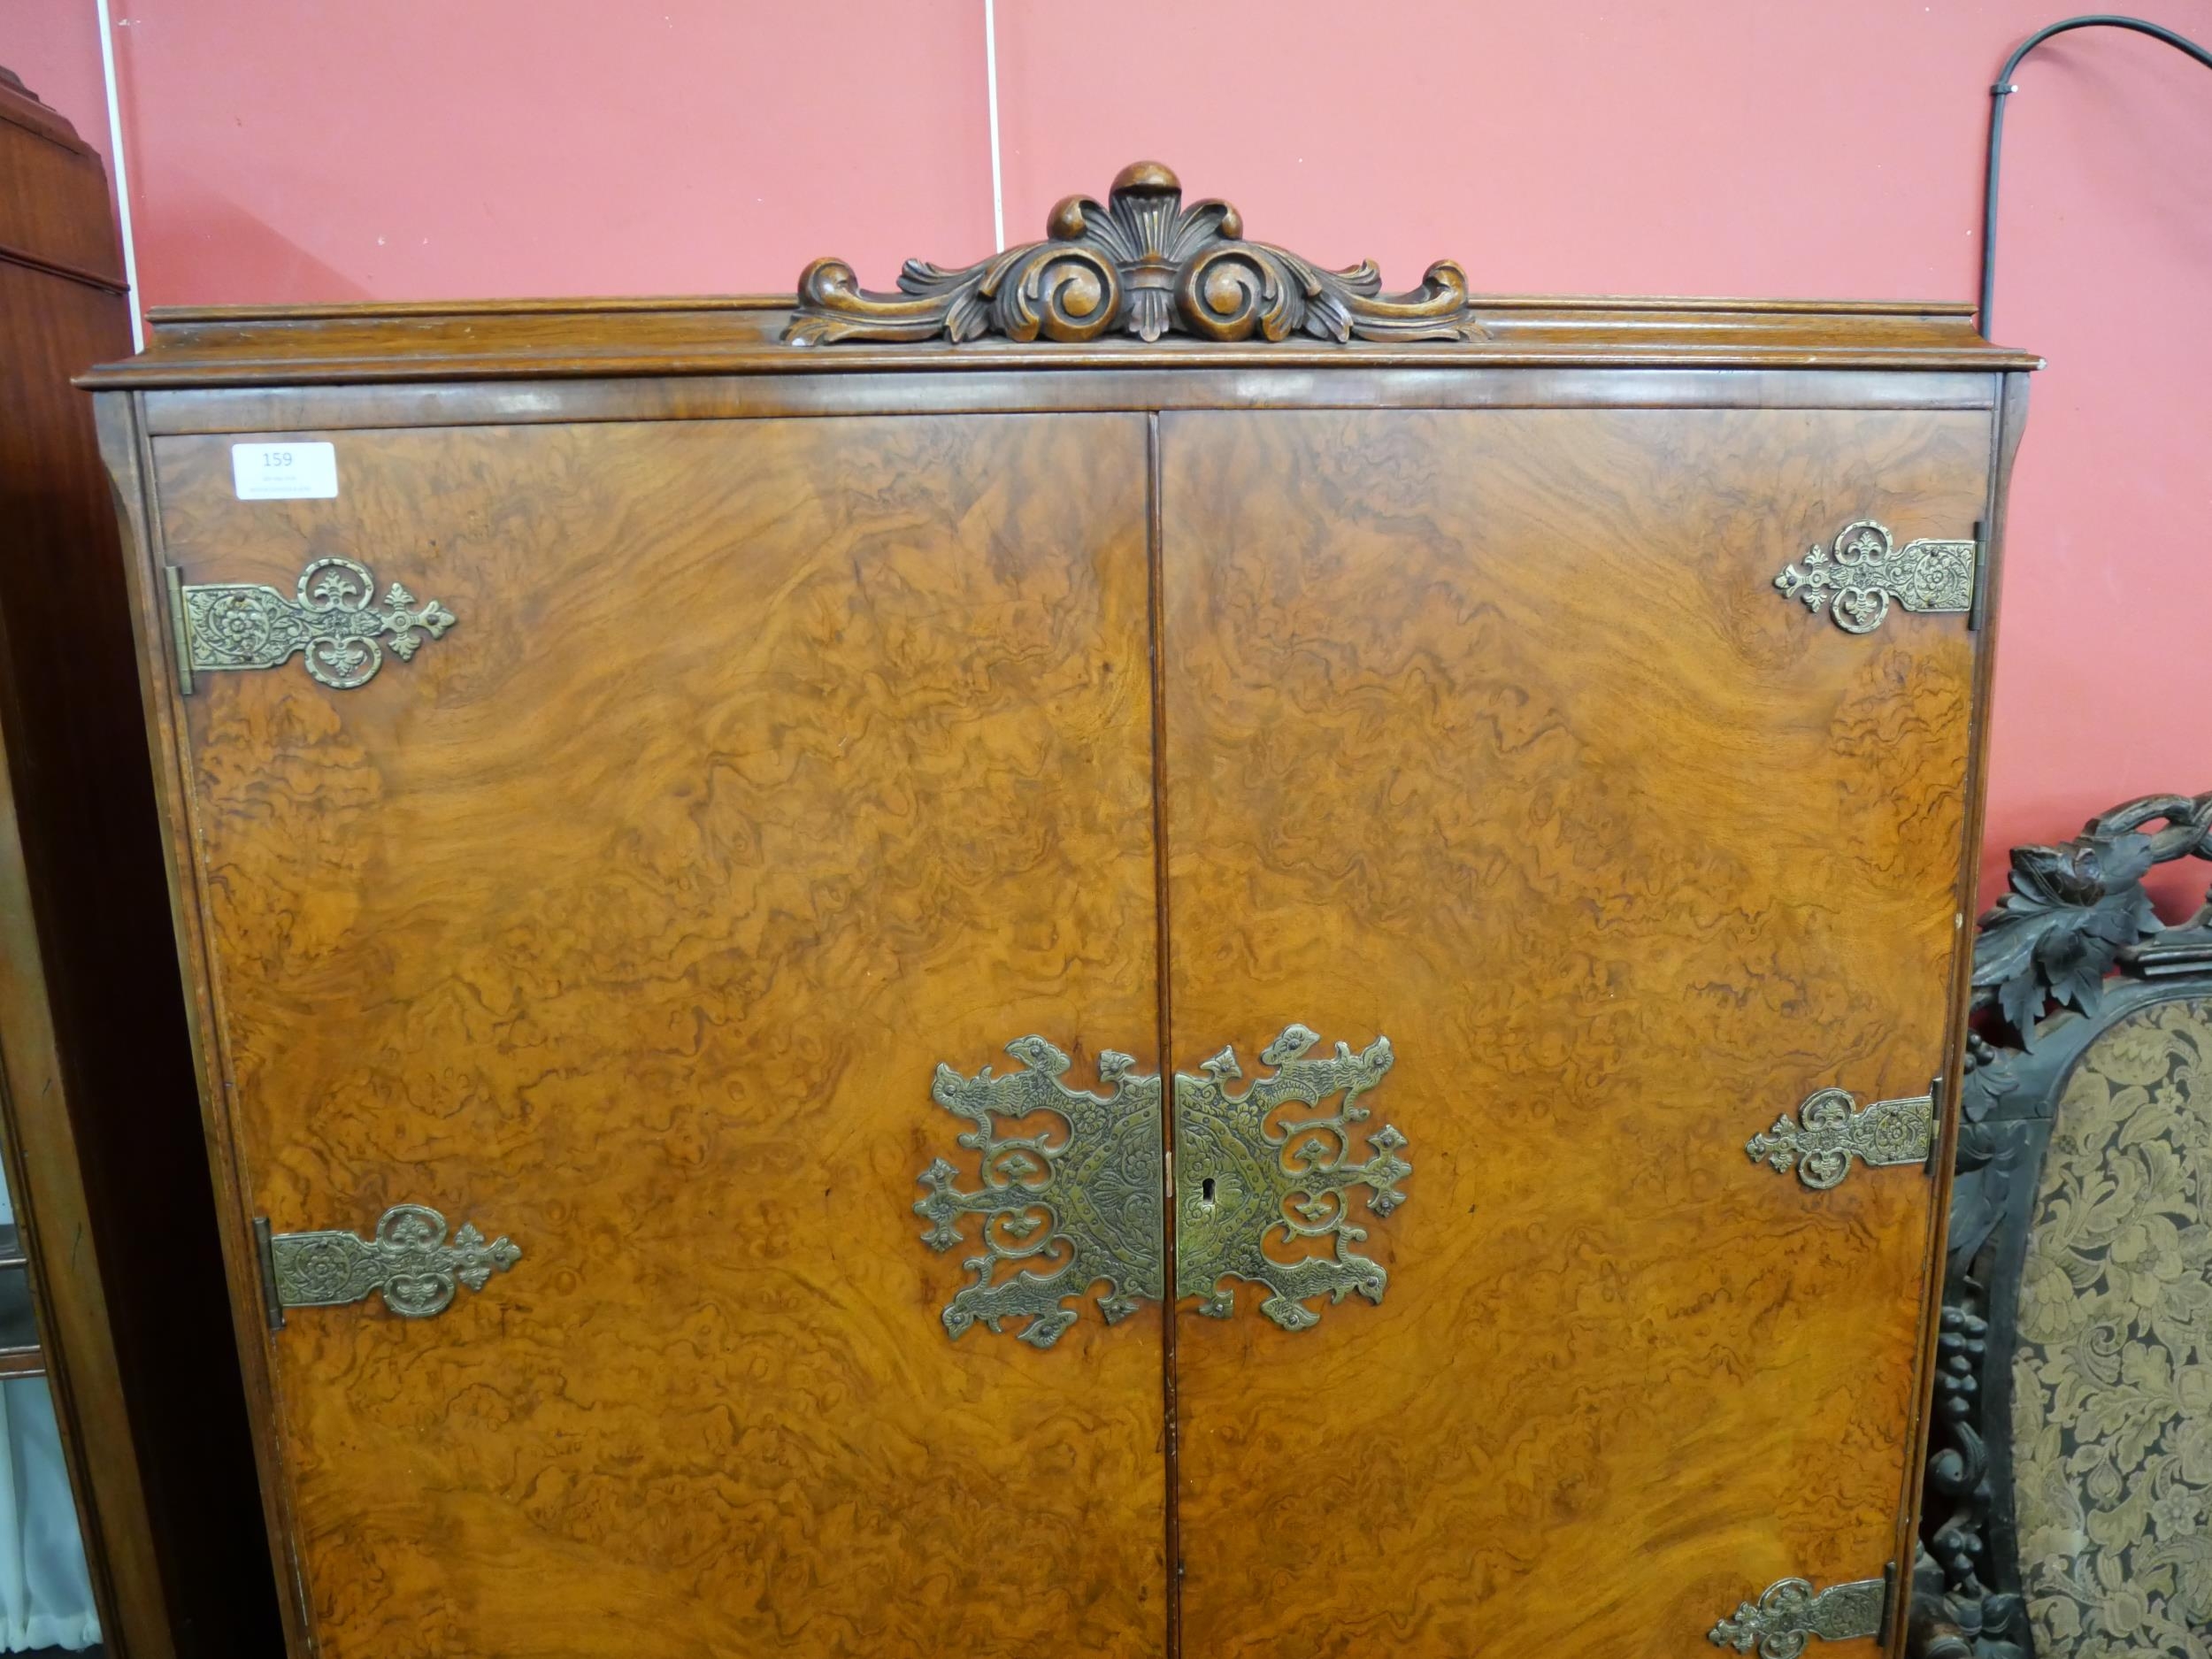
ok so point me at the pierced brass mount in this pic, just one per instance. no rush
(1246, 1177)
(333, 625)
(1791, 1613)
(1856, 578)
(1065, 1208)
(407, 1262)
(1832, 1129)
(1085, 1201)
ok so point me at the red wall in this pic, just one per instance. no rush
(305, 149)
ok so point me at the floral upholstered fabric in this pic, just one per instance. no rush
(2112, 1376)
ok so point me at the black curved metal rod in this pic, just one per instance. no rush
(2004, 88)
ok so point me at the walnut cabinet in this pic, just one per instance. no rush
(1138, 951)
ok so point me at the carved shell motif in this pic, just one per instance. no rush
(1142, 264)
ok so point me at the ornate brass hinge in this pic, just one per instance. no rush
(1083, 1202)
(333, 626)
(1833, 1129)
(1241, 1181)
(1856, 578)
(409, 1263)
(1791, 1613)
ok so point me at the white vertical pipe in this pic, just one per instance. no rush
(990, 78)
(123, 177)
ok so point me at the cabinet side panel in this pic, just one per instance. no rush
(127, 453)
(766, 766)
(185, 1516)
(1490, 733)
(2008, 424)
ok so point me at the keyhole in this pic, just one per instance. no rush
(1206, 1191)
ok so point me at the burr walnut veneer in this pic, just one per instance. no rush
(1404, 793)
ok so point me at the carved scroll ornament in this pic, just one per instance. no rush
(1141, 264)
(2078, 910)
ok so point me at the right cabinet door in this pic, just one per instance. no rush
(1489, 733)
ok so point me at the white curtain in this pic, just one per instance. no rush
(45, 1592)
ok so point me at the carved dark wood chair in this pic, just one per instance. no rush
(2069, 1505)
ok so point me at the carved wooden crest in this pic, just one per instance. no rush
(1141, 264)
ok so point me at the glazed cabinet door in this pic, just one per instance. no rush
(601, 834)
(1494, 753)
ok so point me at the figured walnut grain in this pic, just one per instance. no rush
(769, 763)
(1488, 731)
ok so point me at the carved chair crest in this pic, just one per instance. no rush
(2073, 961)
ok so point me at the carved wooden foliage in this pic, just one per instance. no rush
(2075, 907)
(2076, 916)
(1141, 264)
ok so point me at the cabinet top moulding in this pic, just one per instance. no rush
(1141, 265)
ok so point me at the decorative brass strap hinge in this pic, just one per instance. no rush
(1791, 1613)
(333, 625)
(1243, 1182)
(1832, 1129)
(1855, 579)
(409, 1263)
(1084, 1202)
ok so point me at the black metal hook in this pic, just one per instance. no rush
(2004, 88)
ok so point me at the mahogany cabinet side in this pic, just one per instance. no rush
(105, 1159)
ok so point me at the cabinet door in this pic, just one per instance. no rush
(1489, 732)
(767, 765)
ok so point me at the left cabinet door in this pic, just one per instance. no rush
(762, 766)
